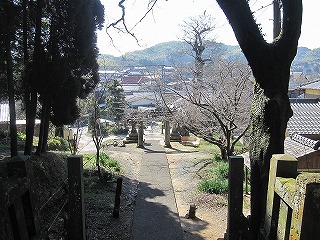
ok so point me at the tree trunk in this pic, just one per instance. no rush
(31, 94)
(13, 126)
(43, 131)
(46, 131)
(271, 110)
(224, 154)
(31, 110)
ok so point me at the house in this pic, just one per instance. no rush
(311, 90)
(21, 124)
(297, 79)
(303, 134)
(141, 99)
(133, 82)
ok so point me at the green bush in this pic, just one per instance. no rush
(222, 170)
(107, 162)
(217, 186)
(110, 163)
(57, 144)
(216, 158)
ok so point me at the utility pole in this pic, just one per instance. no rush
(276, 18)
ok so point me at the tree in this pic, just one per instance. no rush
(115, 101)
(66, 48)
(217, 110)
(214, 92)
(9, 10)
(195, 34)
(270, 64)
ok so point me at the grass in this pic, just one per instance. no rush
(89, 161)
(216, 178)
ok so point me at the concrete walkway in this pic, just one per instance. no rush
(155, 215)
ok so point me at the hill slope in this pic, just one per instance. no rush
(175, 52)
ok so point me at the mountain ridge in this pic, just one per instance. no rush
(177, 52)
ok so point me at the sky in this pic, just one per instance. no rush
(164, 23)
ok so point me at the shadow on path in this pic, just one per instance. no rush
(155, 215)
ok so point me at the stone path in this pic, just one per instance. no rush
(155, 215)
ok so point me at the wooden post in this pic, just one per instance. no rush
(235, 197)
(116, 208)
(167, 134)
(76, 223)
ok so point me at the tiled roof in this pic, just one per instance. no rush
(305, 141)
(133, 79)
(305, 119)
(296, 149)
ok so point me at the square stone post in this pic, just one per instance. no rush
(76, 221)
(235, 197)
(167, 134)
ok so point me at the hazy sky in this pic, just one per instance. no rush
(163, 23)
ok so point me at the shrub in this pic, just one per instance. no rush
(222, 170)
(216, 158)
(57, 144)
(110, 163)
(217, 186)
(89, 161)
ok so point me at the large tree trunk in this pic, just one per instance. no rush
(31, 94)
(271, 110)
(13, 126)
(31, 110)
(44, 125)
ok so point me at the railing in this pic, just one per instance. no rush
(293, 201)
(292, 210)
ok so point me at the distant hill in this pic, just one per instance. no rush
(175, 52)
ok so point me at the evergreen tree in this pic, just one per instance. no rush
(115, 102)
(67, 53)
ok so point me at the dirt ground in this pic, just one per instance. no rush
(184, 163)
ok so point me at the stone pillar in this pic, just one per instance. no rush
(175, 135)
(235, 197)
(133, 135)
(167, 134)
(76, 221)
(140, 136)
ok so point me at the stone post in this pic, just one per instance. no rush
(116, 209)
(235, 197)
(76, 221)
(140, 136)
(167, 134)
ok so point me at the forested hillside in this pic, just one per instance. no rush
(175, 52)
